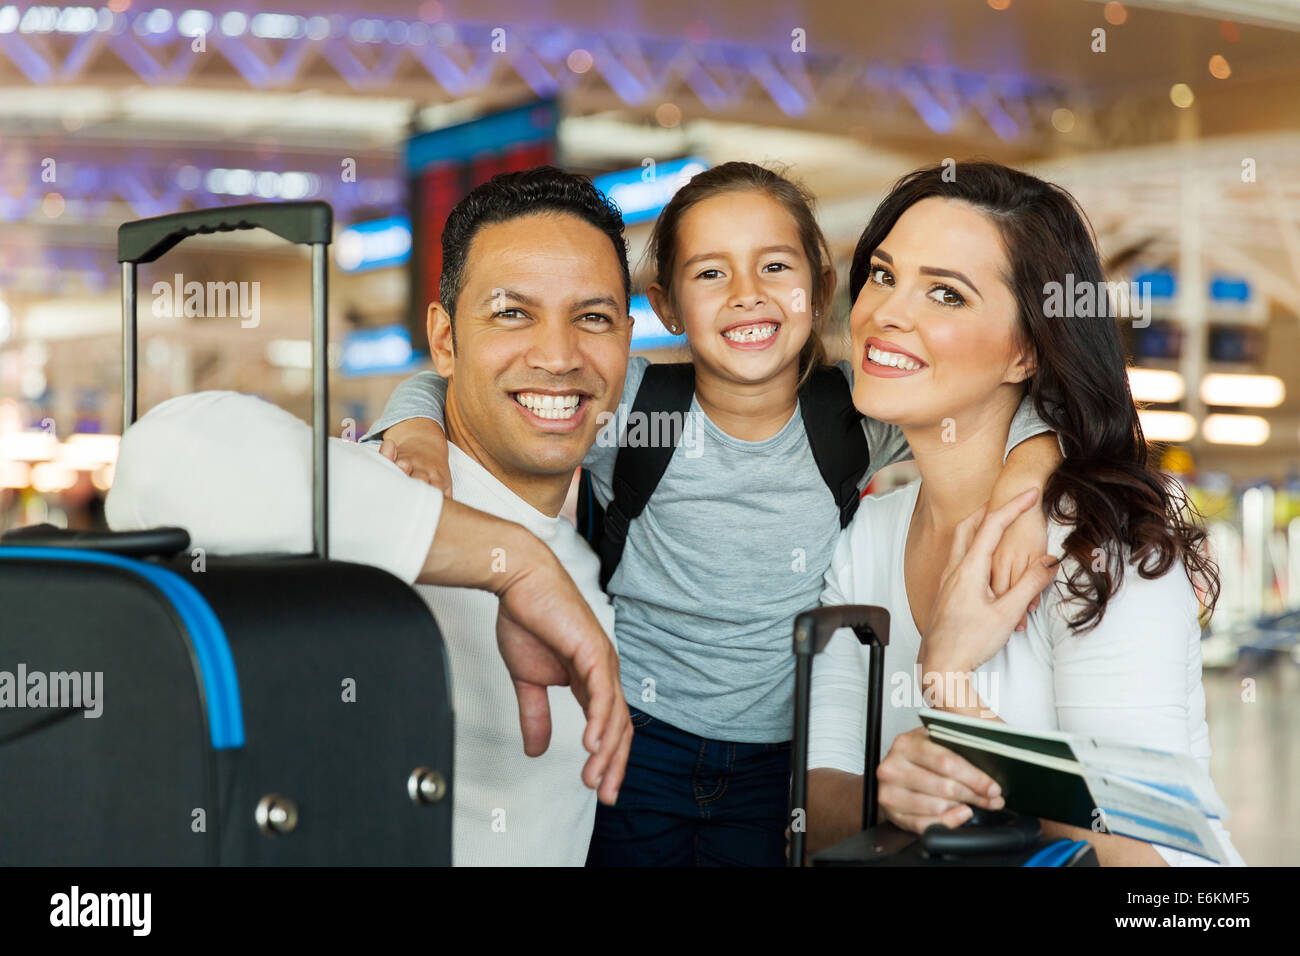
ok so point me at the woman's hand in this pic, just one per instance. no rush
(922, 783)
(969, 623)
(418, 446)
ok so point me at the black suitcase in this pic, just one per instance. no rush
(259, 712)
(987, 839)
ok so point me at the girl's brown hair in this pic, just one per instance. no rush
(796, 200)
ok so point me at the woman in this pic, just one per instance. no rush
(949, 281)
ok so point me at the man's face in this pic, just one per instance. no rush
(540, 346)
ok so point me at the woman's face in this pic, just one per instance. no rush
(934, 327)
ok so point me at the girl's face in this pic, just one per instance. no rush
(741, 287)
(934, 327)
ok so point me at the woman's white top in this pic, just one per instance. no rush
(1136, 677)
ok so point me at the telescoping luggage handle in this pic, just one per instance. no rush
(303, 223)
(812, 632)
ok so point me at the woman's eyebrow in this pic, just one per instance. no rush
(951, 274)
(931, 271)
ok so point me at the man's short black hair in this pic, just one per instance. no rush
(509, 196)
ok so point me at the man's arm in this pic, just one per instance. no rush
(546, 632)
(235, 471)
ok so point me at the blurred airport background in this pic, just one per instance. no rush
(1176, 124)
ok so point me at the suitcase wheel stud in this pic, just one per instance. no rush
(276, 814)
(425, 786)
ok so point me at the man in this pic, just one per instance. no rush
(532, 329)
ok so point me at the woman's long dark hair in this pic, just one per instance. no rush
(1118, 503)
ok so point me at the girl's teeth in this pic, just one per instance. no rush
(750, 333)
(892, 359)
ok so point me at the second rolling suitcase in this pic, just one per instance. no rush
(987, 839)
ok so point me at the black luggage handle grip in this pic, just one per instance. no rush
(304, 223)
(146, 543)
(812, 632)
(813, 629)
(310, 223)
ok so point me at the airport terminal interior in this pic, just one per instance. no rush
(1175, 124)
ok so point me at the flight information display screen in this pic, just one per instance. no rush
(445, 164)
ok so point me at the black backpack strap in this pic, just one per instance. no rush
(666, 388)
(834, 427)
(590, 515)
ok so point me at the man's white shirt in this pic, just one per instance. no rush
(235, 471)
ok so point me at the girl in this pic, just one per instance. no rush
(1113, 651)
(737, 534)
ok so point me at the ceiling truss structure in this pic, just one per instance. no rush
(60, 45)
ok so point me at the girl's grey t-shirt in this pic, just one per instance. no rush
(731, 547)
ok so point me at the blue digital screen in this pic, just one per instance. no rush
(641, 193)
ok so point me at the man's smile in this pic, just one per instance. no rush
(556, 412)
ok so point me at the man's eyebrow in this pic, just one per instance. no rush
(606, 300)
(590, 302)
(498, 294)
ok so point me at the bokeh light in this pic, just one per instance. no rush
(668, 115)
(1063, 120)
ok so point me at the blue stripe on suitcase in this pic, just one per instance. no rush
(1055, 854)
(207, 637)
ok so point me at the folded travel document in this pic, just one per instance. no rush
(1100, 785)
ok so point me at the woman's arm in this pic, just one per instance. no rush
(1126, 679)
(837, 738)
(834, 807)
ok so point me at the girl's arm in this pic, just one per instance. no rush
(887, 444)
(414, 419)
(1031, 455)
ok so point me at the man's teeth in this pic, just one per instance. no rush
(548, 406)
(751, 333)
(892, 359)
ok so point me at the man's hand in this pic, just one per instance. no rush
(1030, 465)
(546, 633)
(418, 446)
(548, 636)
